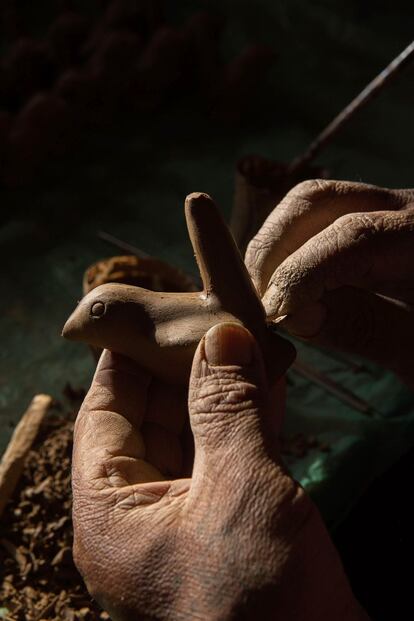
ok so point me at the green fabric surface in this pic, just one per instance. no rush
(361, 446)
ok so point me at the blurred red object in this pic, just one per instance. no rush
(126, 15)
(12, 24)
(67, 35)
(116, 57)
(41, 128)
(161, 66)
(141, 16)
(81, 91)
(28, 66)
(5, 125)
(112, 67)
(240, 83)
(202, 33)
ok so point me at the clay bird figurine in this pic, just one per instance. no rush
(162, 330)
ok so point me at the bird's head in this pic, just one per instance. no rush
(110, 316)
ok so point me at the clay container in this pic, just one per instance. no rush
(260, 184)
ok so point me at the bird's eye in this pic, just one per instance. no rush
(98, 309)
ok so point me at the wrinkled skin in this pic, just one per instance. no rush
(336, 258)
(235, 539)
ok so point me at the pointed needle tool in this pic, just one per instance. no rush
(368, 93)
(122, 245)
(341, 393)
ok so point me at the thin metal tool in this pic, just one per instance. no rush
(368, 93)
(341, 393)
(348, 363)
(122, 245)
(134, 250)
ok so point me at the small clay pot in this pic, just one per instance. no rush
(260, 184)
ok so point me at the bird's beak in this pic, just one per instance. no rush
(72, 330)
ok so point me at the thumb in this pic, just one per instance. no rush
(229, 402)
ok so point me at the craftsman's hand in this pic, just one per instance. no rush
(337, 259)
(238, 540)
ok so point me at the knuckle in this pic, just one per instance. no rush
(291, 273)
(402, 198)
(260, 245)
(312, 188)
(356, 226)
(315, 189)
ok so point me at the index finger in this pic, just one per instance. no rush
(305, 211)
(357, 250)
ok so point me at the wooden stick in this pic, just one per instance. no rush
(12, 463)
(369, 92)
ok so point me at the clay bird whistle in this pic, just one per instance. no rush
(162, 330)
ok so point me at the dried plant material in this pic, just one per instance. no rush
(38, 579)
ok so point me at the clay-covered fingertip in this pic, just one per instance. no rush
(196, 200)
(201, 213)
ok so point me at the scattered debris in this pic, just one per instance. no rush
(299, 445)
(38, 579)
(12, 462)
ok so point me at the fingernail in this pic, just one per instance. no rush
(229, 344)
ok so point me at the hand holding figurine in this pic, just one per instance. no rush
(239, 539)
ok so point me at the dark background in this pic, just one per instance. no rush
(129, 176)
